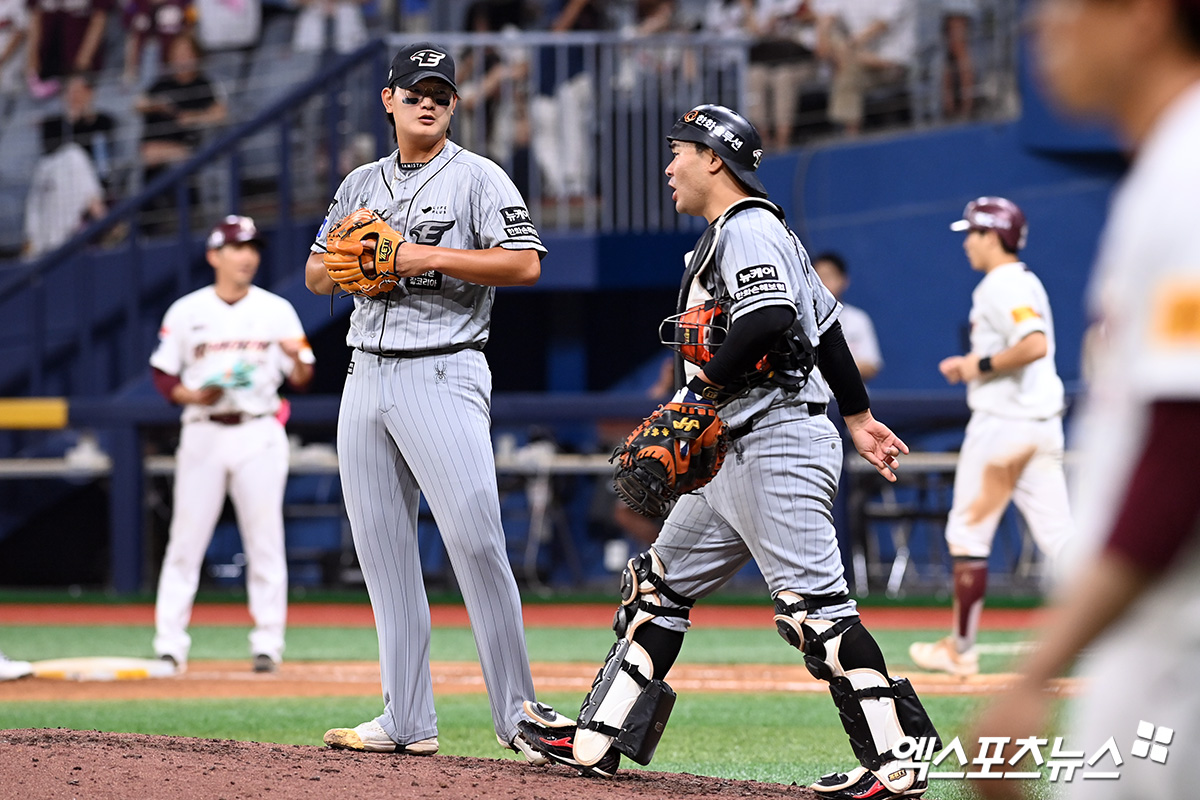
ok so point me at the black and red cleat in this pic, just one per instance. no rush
(558, 745)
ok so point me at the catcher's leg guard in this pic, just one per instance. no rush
(629, 703)
(876, 711)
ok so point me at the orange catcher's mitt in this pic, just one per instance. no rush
(675, 450)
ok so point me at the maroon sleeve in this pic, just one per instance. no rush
(1162, 506)
(164, 383)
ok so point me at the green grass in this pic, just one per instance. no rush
(776, 737)
(701, 646)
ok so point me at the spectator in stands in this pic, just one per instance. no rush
(82, 124)
(783, 35)
(344, 17)
(856, 323)
(178, 108)
(64, 38)
(228, 24)
(871, 46)
(14, 30)
(493, 82)
(153, 22)
(64, 194)
(958, 76)
(562, 111)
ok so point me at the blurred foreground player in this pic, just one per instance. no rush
(1133, 599)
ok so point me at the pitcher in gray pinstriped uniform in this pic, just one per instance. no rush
(772, 500)
(415, 413)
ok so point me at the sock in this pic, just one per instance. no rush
(970, 585)
(661, 645)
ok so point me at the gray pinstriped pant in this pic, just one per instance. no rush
(412, 425)
(773, 501)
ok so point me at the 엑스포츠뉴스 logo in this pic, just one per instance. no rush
(427, 58)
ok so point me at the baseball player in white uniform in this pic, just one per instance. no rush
(1013, 448)
(223, 352)
(773, 498)
(415, 415)
(1132, 599)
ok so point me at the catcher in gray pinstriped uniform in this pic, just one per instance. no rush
(773, 497)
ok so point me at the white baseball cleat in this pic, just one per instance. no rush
(11, 670)
(942, 656)
(370, 737)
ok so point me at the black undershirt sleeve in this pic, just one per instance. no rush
(749, 339)
(840, 372)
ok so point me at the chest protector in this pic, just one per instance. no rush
(703, 320)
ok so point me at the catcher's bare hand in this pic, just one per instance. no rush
(875, 442)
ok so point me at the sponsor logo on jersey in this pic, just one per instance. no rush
(430, 232)
(765, 287)
(513, 214)
(520, 230)
(350, 369)
(442, 209)
(426, 280)
(439, 372)
(427, 58)
(762, 272)
(1023, 313)
(385, 252)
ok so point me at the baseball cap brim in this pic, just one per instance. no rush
(960, 225)
(416, 77)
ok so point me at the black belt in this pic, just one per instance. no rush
(814, 410)
(233, 418)
(436, 351)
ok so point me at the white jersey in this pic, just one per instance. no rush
(459, 200)
(1145, 293)
(208, 342)
(860, 336)
(1009, 304)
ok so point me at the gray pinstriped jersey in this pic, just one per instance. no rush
(459, 200)
(760, 262)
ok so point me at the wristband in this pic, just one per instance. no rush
(985, 364)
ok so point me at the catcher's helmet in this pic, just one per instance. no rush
(730, 135)
(234, 229)
(995, 214)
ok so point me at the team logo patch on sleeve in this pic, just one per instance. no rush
(756, 280)
(1023, 313)
(1176, 314)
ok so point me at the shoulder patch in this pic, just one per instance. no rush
(1176, 314)
(1023, 313)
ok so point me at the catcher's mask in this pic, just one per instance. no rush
(696, 333)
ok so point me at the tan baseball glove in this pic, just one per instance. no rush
(344, 257)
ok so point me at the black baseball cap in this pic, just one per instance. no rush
(419, 61)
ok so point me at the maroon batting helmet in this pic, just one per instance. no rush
(995, 214)
(234, 229)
